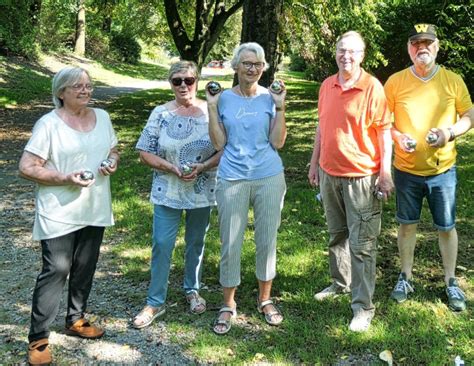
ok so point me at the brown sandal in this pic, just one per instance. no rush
(39, 353)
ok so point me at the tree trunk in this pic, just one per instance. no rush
(80, 44)
(260, 23)
(210, 18)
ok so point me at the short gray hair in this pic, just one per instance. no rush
(66, 77)
(351, 34)
(249, 46)
(183, 66)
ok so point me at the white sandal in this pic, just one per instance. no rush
(269, 316)
(227, 323)
(195, 301)
(144, 318)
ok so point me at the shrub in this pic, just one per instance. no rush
(125, 47)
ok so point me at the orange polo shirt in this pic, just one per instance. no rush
(348, 121)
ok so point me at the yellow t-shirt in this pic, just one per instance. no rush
(419, 105)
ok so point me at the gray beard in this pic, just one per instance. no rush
(424, 59)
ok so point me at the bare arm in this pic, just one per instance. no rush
(216, 129)
(158, 163)
(463, 125)
(313, 174)
(278, 130)
(385, 183)
(32, 167)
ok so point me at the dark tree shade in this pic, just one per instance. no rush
(260, 23)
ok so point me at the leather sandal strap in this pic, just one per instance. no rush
(227, 309)
(36, 344)
(262, 304)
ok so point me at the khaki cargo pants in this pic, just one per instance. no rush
(353, 216)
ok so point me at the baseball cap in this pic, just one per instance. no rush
(422, 31)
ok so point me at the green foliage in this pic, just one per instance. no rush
(126, 47)
(17, 29)
(22, 82)
(314, 26)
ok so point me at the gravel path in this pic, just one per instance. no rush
(20, 264)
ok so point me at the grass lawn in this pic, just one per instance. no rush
(419, 332)
(422, 331)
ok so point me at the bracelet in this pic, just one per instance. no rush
(452, 136)
(279, 109)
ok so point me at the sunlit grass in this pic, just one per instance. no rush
(421, 331)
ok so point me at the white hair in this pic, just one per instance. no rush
(249, 46)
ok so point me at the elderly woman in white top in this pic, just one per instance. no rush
(175, 143)
(247, 122)
(70, 156)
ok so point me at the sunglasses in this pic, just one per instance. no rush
(178, 81)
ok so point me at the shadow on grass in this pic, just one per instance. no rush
(421, 331)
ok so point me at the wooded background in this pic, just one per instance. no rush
(204, 30)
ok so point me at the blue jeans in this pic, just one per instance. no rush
(166, 222)
(440, 192)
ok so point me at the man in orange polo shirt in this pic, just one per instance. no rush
(351, 163)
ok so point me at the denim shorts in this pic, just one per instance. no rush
(440, 192)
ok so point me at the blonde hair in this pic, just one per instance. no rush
(183, 66)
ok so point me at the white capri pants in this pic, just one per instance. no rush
(233, 201)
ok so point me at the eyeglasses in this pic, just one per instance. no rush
(418, 42)
(258, 65)
(178, 81)
(342, 51)
(79, 87)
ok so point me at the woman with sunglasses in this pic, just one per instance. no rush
(70, 155)
(175, 143)
(247, 123)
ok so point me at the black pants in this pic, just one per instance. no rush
(76, 255)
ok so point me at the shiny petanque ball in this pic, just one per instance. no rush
(186, 168)
(87, 175)
(277, 87)
(213, 87)
(431, 138)
(379, 195)
(410, 143)
(106, 163)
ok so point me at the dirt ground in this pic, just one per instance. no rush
(21, 262)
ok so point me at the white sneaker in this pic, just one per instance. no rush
(332, 291)
(361, 321)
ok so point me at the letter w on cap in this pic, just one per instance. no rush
(421, 28)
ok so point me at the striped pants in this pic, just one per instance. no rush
(233, 201)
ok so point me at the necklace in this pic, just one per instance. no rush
(245, 95)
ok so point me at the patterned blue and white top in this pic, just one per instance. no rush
(179, 140)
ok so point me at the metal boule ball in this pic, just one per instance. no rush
(276, 87)
(379, 195)
(410, 143)
(431, 138)
(186, 169)
(87, 175)
(213, 87)
(106, 163)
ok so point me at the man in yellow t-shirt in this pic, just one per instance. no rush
(426, 100)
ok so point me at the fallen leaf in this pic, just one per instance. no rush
(387, 357)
